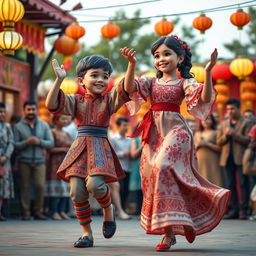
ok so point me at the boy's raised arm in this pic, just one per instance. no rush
(52, 98)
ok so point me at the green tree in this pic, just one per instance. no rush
(237, 48)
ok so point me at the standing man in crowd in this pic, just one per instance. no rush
(232, 137)
(122, 146)
(32, 136)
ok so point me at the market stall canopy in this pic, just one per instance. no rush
(46, 14)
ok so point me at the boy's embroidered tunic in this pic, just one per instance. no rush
(92, 155)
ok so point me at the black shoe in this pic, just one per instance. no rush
(83, 242)
(231, 215)
(2, 218)
(109, 227)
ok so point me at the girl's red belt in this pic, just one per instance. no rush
(145, 124)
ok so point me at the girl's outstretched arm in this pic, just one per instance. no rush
(52, 97)
(129, 84)
(207, 89)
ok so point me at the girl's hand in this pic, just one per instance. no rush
(213, 60)
(59, 70)
(129, 54)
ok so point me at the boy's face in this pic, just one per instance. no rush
(95, 81)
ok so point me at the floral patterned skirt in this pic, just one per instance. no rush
(91, 156)
(174, 192)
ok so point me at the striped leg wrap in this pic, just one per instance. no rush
(106, 200)
(83, 213)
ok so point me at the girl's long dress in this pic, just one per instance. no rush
(174, 192)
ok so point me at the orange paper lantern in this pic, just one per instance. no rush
(222, 88)
(110, 30)
(240, 18)
(248, 85)
(248, 96)
(75, 31)
(164, 27)
(66, 45)
(221, 99)
(202, 23)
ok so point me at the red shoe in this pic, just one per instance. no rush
(190, 235)
(165, 247)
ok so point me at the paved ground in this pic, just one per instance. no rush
(39, 238)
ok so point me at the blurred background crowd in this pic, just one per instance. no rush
(31, 151)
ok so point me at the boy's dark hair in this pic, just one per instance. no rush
(93, 61)
(175, 45)
(234, 102)
(2, 105)
(120, 120)
(29, 102)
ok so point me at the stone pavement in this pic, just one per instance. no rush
(40, 238)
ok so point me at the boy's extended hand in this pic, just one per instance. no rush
(59, 70)
(129, 54)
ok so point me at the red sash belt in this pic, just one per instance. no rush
(145, 124)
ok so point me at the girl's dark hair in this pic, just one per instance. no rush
(93, 62)
(175, 45)
(213, 126)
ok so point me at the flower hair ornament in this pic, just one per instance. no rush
(182, 43)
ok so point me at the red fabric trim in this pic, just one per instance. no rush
(145, 125)
(209, 229)
(199, 90)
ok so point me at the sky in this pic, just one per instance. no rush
(222, 31)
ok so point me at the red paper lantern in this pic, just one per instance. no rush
(110, 30)
(67, 62)
(164, 27)
(66, 45)
(111, 83)
(75, 31)
(240, 18)
(221, 71)
(202, 23)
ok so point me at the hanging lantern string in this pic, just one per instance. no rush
(106, 7)
(217, 9)
(145, 2)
